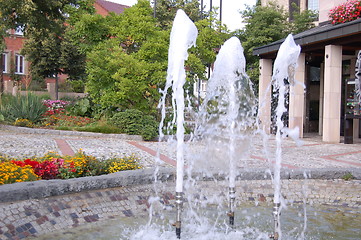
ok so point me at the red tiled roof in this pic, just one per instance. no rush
(112, 7)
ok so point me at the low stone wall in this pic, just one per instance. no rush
(36, 208)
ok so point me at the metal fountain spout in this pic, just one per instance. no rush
(232, 197)
(179, 208)
(276, 216)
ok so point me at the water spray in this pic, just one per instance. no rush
(287, 53)
(182, 37)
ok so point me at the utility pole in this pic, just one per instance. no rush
(154, 9)
(220, 11)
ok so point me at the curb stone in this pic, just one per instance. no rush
(70, 133)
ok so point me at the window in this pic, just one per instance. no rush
(203, 86)
(294, 6)
(19, 64)
(4, 62)
(19, 31)
(313, 5)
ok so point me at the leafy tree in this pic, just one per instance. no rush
(267, 24)
(127, 69)
(166, 11)
(43, 23)
(36, 15)
(90, 30)
(302, 20)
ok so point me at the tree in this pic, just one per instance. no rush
(267, 24)
(43, 23)
(90, 30)
(127, 69)
(166, 9)
(36, 15)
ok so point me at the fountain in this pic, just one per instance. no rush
(183, 36)
(283, 70)
(226, 130)
(227, 117)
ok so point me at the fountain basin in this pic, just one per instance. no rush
(38, 208)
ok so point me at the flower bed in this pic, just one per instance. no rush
(349, 11)
(54, 166)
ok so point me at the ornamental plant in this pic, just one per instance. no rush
(23, 123)
(28, 107)
(54, 166)
(135, 122)
(349, 11)
(11, 173)
(61, 120)
(121, 164)
(55, 106)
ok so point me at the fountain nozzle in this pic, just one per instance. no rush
(276, 214)
(179, 206)
(232, 197)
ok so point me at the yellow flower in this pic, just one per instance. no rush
(10, 173)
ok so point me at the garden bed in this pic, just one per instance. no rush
(55, 166)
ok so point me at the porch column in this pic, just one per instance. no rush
(265, 91)
(332, 94)
(320, 115)
(297, 97)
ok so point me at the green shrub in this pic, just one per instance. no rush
(77, 85)
(28, 107)
(134, 122)
(99, 127)
(82, 108)
(348, 177)
(64, 128)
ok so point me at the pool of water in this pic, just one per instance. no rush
(252, 222)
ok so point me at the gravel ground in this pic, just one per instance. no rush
(312, 153)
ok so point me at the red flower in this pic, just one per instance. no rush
(32, 163)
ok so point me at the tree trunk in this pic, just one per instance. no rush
(56, 86)
(1, 74)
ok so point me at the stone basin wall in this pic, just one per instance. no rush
(37, 208)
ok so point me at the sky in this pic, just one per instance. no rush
(230, 10)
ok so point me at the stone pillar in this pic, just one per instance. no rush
(356, 122)
(320, 114)
(8, 87)
(297, 97)
(265, 91)
(15, 90)
(51, 90)
(332, 94)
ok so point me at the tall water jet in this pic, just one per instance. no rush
(283, 71)
(227, 116)
(183, 36)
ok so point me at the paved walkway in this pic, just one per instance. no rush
(312, 153)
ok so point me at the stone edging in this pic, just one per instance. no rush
(69, 133)
(47, 188)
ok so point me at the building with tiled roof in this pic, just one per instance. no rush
(14, 63)
(105, 7)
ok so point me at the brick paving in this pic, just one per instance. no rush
(313, 153)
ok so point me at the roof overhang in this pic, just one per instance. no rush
(314, 40)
